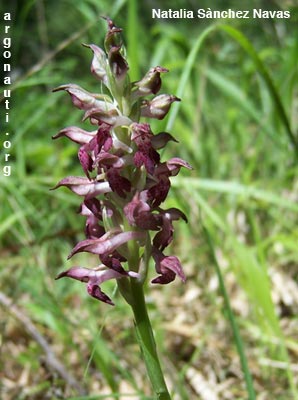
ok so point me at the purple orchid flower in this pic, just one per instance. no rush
(94, 278)
(168, 267)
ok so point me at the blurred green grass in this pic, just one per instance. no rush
(243, 188)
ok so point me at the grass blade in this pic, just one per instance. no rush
(237, 189)
(189, 64)
(237, 337)
(248, 47)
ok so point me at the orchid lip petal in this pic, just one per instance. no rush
(83, 186)
(173, 263)
(106, 243)
(168, 267)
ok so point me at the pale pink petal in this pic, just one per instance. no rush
(84, 187)
(76, 134)
(106, 243)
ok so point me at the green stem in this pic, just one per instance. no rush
(147, 341)
(133, 39)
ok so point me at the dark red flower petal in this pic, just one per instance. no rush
(138, 213)
(118, 183)
(158, 193)
(97, 293)
(167, 266)
(118, 64)
(161, 139)
(85, 160)
(165, 278)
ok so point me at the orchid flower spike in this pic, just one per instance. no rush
(124, 181)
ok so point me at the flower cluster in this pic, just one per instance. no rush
(125, 181)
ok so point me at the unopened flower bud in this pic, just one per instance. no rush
(158, 107)
(99, 63)
(113, 37)
(83, 99)
(151, 83)
(118, 64)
